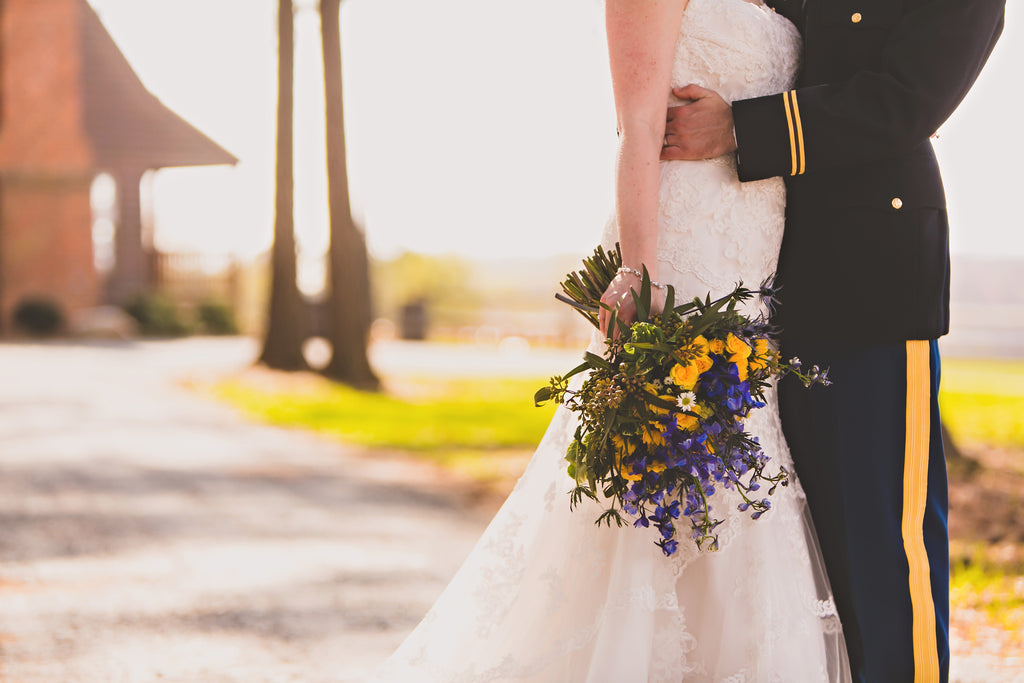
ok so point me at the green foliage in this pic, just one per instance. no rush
(158, 316)
(39, 316)
(582, 289)
(216, 317)
(443, 283)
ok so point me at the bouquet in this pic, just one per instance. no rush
(661, 413)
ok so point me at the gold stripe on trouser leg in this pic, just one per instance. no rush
(915, 498)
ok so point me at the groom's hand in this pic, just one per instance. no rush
(700, 129)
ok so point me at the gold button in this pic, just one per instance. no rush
(856, 17)
(897, 203)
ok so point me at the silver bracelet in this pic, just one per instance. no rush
(634, 271)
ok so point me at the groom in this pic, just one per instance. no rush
(865, 273)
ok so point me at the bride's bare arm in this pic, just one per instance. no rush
(642, 36)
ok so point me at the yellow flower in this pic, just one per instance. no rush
(684, 376)
(651, 434)
(737, 347)
(741, 367)
(658, 467)
(696, 352)
(699, 345)
(740, 351)
(716, 346)
(656, 409)
(623, 448)
(684, 421)
(703, 364)
(628, 473)
(761, 355)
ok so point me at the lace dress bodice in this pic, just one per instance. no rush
(548, 597)
(738, 49)
(714, 230)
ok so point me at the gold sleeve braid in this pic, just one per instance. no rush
(796, 132)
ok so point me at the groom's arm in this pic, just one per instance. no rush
(930, 59)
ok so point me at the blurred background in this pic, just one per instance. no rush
(348, 219)
(480, 140)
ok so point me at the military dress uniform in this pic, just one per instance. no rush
(864, 270)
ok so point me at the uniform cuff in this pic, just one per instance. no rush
(769, 136)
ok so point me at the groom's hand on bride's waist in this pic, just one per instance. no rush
(702, 128)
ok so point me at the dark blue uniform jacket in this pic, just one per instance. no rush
(865, 256)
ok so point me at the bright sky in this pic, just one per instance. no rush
(479, 127)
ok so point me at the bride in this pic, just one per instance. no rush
(546, 595)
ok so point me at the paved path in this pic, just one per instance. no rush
(147, 534)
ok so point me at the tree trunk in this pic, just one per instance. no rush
(348, 304)
(286, 318)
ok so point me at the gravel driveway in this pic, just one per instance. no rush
(147, 534)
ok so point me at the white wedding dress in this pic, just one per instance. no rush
(547, 596)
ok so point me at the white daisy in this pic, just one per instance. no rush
(687, 400)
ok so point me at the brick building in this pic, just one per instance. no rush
(70, 108)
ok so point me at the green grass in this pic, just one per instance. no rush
(990, 590)
(994, 588)
(982, 401)
(445, 416)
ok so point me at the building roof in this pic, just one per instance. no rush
(127, 125)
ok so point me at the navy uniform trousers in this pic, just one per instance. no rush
(868, 451)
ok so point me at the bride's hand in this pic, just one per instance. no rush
(619, 297)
